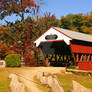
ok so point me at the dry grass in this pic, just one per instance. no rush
(66, 80)
(4, 81)
(42, 87)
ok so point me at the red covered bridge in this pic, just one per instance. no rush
(62, 45)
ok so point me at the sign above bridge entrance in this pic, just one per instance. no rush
(51, 37)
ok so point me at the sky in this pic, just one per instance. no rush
(61, 8)
(64, 7)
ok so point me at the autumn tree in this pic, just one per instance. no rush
(45, 22)
(18, 7)
(17, 35)
(5, 50)
(77, 22)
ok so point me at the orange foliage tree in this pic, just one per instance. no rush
(17, 35)
(5, 50)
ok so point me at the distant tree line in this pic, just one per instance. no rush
(77, 22)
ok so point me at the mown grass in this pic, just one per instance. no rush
(66, 81)
(4, 78)
(4, 81)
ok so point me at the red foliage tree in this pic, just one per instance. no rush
(19, 7)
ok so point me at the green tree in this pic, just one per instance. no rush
(65, 22)
(77, 22)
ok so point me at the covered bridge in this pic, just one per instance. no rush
(61, 46)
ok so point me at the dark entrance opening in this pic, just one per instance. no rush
(58, 53)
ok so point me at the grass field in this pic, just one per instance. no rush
(4, 78)
(4, 81)
(42, 87)
(66, 80)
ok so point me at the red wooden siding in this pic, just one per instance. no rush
(81, 49)
(82, 56)
(85, 65)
